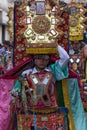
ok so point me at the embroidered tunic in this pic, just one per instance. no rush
(40, 93)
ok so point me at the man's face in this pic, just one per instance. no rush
(5, 45)
(42, 62)
(76, 46)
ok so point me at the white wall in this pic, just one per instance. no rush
(4, 8)
(7, 36)
(4, 17)
(4, 5)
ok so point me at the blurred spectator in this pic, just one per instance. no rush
(1, 48)
(1, 70)
(75, 47)
(7, 55)
(9, 62)
(85, 36)
(1, 64)
(4, 47)
(1, 60)
(6, 44)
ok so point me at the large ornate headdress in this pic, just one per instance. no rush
(76, 20)
(41, 31)
(36, 28)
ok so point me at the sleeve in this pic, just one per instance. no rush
(60, 67)
(64, 57)
(26, 72)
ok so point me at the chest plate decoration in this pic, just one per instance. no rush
(40, 86)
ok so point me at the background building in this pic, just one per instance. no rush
(4, 35)
(4, 4)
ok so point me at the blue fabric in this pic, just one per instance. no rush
(63, 109)
(58, 72)
(15, 122)
(76, 105)
(35, 120)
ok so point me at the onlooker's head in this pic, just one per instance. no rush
(10, 47)
(75, 45)
(1, 46)
(6, 43)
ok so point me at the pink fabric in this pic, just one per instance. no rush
(5, 98)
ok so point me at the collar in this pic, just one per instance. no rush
(35, 70)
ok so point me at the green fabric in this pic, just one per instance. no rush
(58, 72)
(17, 86)
(76, 105)
(60, 94)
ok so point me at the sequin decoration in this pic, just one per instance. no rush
(41, 24)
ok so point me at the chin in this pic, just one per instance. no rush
(42, 67)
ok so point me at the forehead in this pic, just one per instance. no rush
(75, 42)
(41, 56)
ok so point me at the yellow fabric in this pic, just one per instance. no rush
(20, 124)
(67, 103)
(44, 110)
(78, 37)
(41, 50)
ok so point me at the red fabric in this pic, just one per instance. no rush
(17, 70)
(41, 102)
(53, 122)
(53, 58)
(1, 68)
(20, 42)
(64, 26)
(72, 74)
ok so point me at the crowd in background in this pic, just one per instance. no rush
(6, 56)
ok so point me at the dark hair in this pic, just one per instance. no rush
(0, 45)
(52, 3)
(40, 56)
(6, 42)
